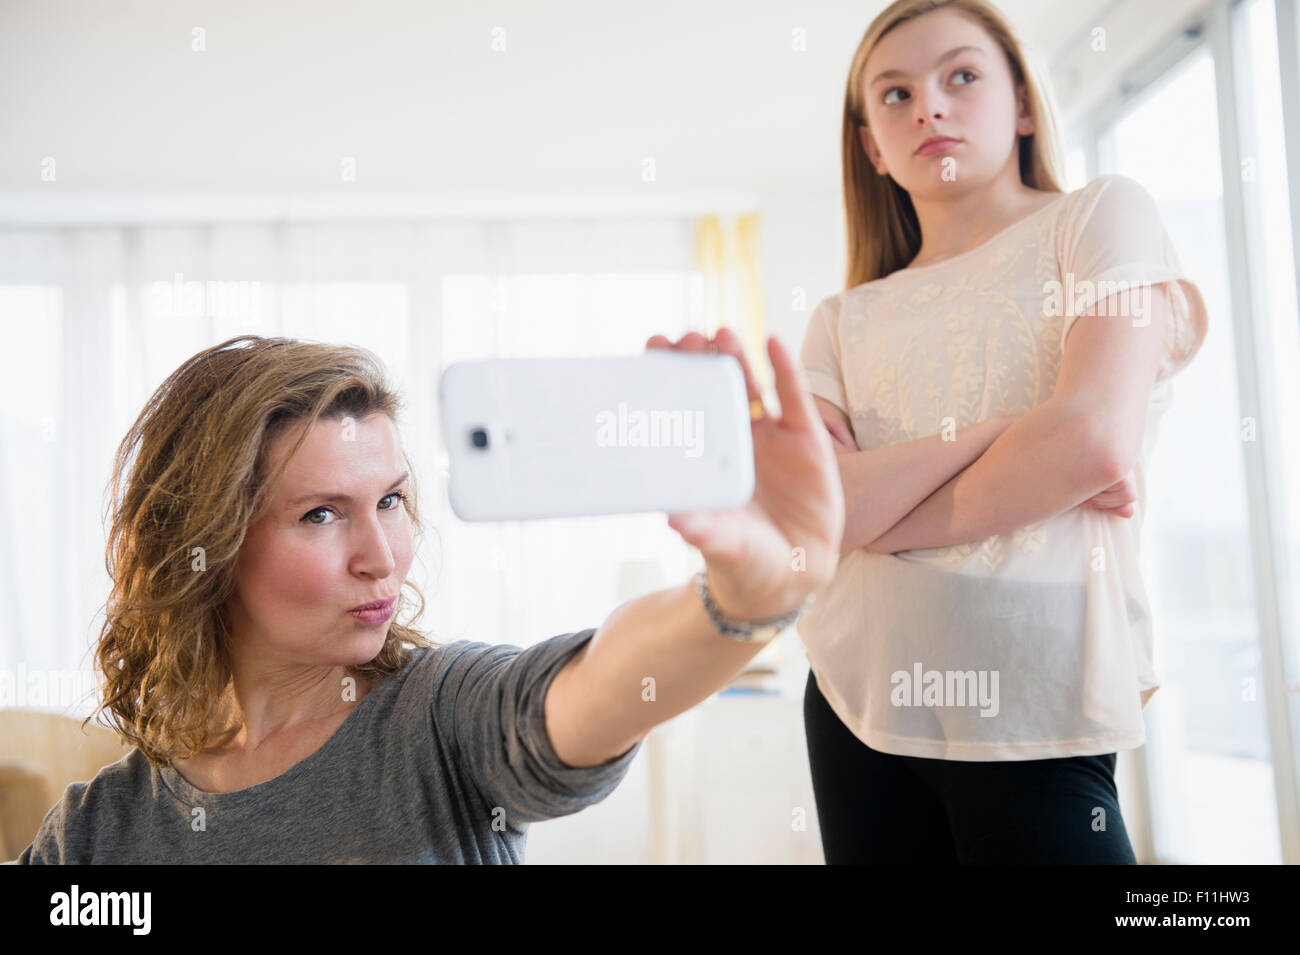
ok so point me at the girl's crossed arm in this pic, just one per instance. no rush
(1062, 453)
(884, 484)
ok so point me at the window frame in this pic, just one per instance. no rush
(1221, 29)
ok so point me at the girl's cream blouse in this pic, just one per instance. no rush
(1032, 644)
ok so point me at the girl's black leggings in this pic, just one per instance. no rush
(876, 808)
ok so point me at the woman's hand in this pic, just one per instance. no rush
(1118, 499)
(764, 559)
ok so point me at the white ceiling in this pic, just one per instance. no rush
(583, 94)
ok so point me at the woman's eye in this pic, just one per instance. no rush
(306, 518)
(965, 73)
(894, 89)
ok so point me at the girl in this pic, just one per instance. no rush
(992, 376)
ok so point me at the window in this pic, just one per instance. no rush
(1209, 756)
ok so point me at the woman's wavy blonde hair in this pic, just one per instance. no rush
(190, 473)
(883, 231)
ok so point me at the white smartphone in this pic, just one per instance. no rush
(561, 437)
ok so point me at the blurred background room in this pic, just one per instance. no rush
(453, 180)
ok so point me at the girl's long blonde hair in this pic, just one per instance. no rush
(189, 474)
(883, 231)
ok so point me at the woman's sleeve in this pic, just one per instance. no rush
(820, 354)
(1115, 241)
(493, 698)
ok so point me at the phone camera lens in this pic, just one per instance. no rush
(479, 437)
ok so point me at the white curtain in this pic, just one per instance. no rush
(95, 318)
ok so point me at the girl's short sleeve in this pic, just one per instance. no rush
(820, 353)
(1114, 241)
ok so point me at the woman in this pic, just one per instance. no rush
(992, 375)
(261, 498)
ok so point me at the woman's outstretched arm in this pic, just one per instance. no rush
(1079, 442)
(659, 655)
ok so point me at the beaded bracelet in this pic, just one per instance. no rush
(745, 630)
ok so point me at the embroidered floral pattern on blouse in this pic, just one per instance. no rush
(956, 553)
(991, 552)
(1030, 538)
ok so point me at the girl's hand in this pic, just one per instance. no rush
(1118, 499)
(764, 559)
